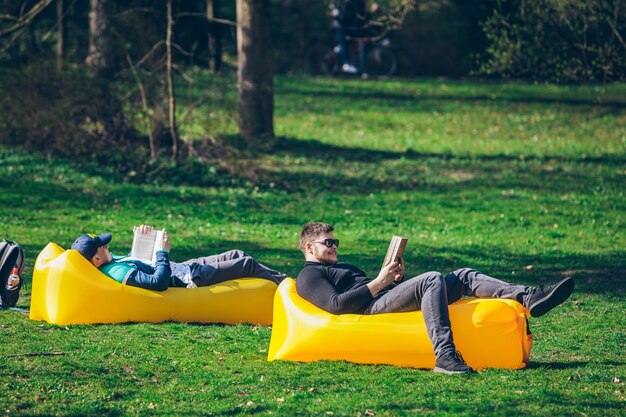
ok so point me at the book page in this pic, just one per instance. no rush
(158, 244)
(145, 245)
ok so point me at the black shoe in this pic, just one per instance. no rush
(451, 363)
(543, 299)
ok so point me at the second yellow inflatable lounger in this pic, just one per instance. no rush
(67, 289)
(489, 333)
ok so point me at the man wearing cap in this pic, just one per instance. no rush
(192, 273)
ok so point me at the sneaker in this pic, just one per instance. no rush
(543, 299)
(452, 363)
(349, 68)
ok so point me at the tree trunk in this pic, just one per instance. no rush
(60, 35)
(101, 65)
(215, 37)
(254, 55)
(171, 100)
(99, 57)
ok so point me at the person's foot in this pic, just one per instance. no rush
(280, 277)
(452, 363)
(349, 68)
(543, 299)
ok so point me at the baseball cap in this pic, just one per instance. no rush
(88, 244)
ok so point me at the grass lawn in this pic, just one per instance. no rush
(525, 182)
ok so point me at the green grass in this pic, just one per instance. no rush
(525, 182)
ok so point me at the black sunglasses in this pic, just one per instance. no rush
(328, 242)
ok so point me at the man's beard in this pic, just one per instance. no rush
(326, 260)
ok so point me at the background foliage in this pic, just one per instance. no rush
(67, 111)
(562, 41)
(568, 41)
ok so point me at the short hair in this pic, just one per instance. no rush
(311, 230)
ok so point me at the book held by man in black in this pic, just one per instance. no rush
(396, 249)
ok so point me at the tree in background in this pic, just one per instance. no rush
(100, 59)
(216, 30)
(60, 47)
(254, 74)
(169, 75)
(563, 41)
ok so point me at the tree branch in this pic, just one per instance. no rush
(150, 52)
(9, 17)
(616, 33)
(25, 19)
(144, 104)
(209, 19)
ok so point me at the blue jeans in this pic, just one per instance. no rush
(431, 293)
(340, 34)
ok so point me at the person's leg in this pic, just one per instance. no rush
(211, 259)
(426, 292)
(538, 300)
(210, 273)
(340, 34)
(229, 256)
(472, 283)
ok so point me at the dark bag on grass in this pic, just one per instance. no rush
(11, 256)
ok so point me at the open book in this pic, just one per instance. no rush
(145, 245)
(396, 249)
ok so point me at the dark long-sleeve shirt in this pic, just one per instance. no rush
(338, 289)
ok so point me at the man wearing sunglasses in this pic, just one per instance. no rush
(341, 288)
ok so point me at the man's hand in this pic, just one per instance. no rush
(145, 229)
(388, 274)
(400, 270)
(166, 242)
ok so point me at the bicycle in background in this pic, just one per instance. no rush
(374, 56)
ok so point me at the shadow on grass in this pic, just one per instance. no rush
(499, 98)
(332, 168)
(569, 365)
(605, 273)
(316, 148)
(251, 410)
(556, 365)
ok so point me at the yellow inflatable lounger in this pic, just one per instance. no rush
(67, 289)
(489, 333)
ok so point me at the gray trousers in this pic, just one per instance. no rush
(229, 265)
(432, 292)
